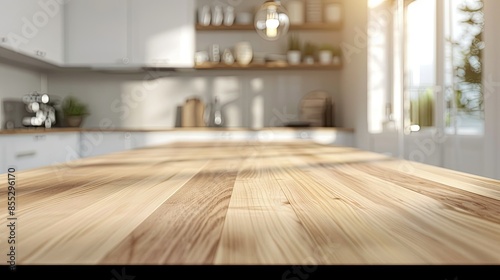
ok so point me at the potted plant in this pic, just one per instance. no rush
(74, 111)
(309, 52)
(294, 53)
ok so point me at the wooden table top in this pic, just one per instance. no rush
(251, 203)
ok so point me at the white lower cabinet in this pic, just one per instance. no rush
(28, 151)
(97, 143)
(327, 137)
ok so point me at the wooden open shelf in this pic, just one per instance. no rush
(242, 27)
(266, 66)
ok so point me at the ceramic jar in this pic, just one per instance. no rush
(205, 15)
(333, 12)
(296, 12)
(294, 57)
(229, 16)
(325, 57)
(243, 52)
(217, 15)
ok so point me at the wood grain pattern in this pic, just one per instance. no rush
(232, 202)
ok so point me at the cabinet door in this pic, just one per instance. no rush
(62, 148)
(135, 140)
(10, 22)
(37, 150)
(34, 28)
(162, 33)
(25, 151)
(101, 143)
(96, 32)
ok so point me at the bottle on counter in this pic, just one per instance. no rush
(214, 114)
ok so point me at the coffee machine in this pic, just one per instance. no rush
(33, 110)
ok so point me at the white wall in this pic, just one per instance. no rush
(353, 101)
(15, 82)
(492, 88)
(250, 98)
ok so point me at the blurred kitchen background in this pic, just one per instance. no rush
(435, 105)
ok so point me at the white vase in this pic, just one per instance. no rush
(293, 57)
(205, 15)
(243, 53)
(217, 15)
(229, 16)
(227, 56)
(325, 57)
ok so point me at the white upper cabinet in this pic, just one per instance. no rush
(133, 33)
(96, 32)
(10, 22)
(34, 28)
(162, 32)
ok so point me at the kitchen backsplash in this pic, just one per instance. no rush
(248, 99)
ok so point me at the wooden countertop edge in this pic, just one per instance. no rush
(176, 129)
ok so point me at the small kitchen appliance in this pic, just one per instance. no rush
(33, 110)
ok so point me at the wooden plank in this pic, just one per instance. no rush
(186, 228)
(277, 65)
(81, 225)
(261, 226)
(412, 227)
(250, 27)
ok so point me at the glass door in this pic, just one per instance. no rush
(464, 115)
(427, 106)
(420, 60)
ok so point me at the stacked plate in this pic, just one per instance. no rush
(316, 108)
(314, 11)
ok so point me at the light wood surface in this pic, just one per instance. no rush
(252, 203)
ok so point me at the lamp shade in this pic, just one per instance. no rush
(271, 20)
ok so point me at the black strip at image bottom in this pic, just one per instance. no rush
(278, 272)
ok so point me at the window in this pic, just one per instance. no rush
(464, 94)
(425, 66)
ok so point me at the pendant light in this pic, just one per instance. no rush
(271, 20)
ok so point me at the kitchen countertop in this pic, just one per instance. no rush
(295, 202)
(185, 129)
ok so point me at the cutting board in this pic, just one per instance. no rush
(192, 113)
(316, 107)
